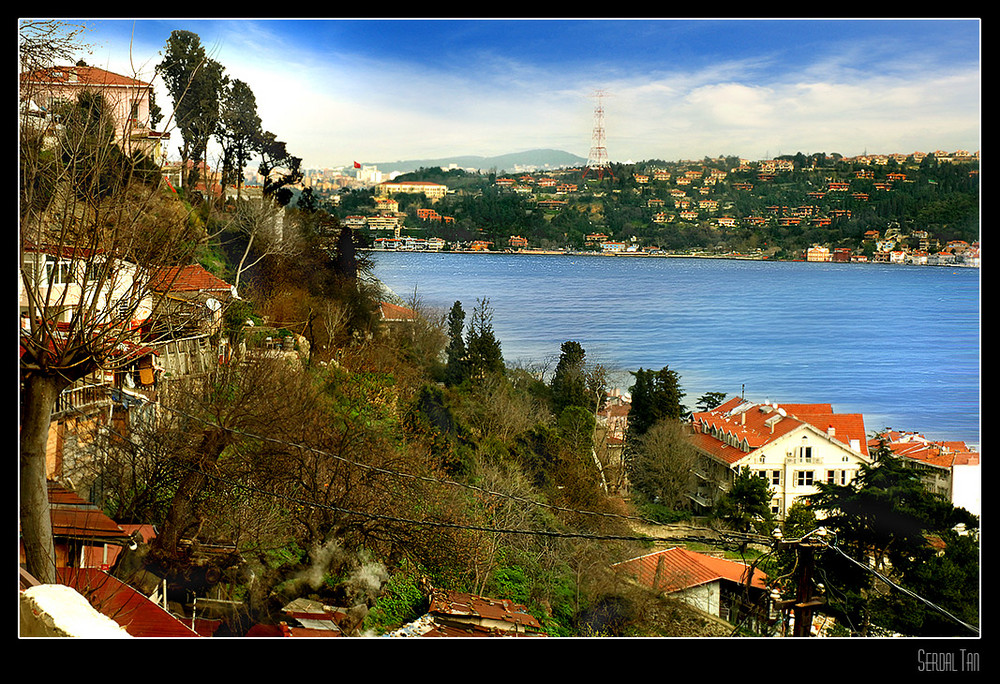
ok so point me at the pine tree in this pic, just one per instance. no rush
(484, 354)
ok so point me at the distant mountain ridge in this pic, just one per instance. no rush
(529, 159)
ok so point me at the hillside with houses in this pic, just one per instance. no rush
(915, 208)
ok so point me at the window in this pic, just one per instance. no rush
(57, 272)
(806, 453)
(836, 477)
(776, 477)
(804, 478)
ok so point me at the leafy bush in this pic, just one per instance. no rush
(400, 602)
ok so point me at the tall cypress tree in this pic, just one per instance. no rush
(569, 382)
(455, 370)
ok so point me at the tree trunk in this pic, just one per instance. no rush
(183, 508)
(38, 397)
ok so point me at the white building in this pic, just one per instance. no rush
(792, 446)
(60, 283)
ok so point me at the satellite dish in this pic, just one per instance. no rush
(213, 304)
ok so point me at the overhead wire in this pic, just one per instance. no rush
(725, 536)
(901, 588)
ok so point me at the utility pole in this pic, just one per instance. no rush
(806, 600)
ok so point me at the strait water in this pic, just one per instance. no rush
(898, 344)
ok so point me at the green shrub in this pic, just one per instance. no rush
(399, 603)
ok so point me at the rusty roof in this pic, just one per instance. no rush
(73, 516)
(459, 605)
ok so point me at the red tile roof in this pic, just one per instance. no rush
(944, 454)
(394, 312)
(757, 425)
(193, 278)
(675, 569)
(81, 76)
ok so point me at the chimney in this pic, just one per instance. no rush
(830, 432)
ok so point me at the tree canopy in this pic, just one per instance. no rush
(888, 518)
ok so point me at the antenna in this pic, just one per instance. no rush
(598, 157)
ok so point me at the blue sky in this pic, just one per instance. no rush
(343, 90)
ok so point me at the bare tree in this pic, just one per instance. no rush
(662, 464)
(94, 223)
(261, 223)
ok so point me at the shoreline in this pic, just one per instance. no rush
(633, 255)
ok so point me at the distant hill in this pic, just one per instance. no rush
(528, 160)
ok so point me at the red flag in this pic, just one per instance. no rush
(357, 165)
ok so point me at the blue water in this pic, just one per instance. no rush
(899, 344)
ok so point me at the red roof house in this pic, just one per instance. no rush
(129, 608)
(705, 582)
(793, 446)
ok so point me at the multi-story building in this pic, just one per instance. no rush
(433, 191)
(792, 446)
(127, 100)
(948, 468)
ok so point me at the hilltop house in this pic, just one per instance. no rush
(792, 446)
(127, 98)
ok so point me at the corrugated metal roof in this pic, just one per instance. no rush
(458, 604)
(129, 608)
(73, 516)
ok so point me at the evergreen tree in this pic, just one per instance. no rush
(345, 262)
(569, 382)
(746, 506)
(887, 517)
(655, 395)
(484, 354)
(456, 353)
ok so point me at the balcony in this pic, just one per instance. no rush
(81, 398)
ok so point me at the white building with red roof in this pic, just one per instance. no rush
(948, 468)
(792, 446)
(708, 583)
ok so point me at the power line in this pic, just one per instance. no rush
(723, 538)
(454, 483)
(818, 538)
(906, 591)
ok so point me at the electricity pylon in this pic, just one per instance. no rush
(597, 160)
